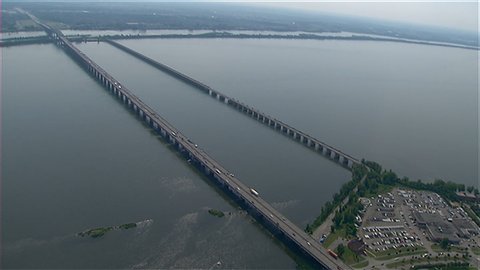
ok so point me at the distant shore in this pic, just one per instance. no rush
(225, 34)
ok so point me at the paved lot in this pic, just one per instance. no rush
(404, 224)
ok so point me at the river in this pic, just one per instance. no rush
(74, 158)
(412, 108)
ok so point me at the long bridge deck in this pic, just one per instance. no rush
(278, 224)
(315, 144)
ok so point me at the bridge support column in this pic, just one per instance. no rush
(210, 92)
(341, 159)
(316, 146)
(324, 151)
(225, 100)
(218, 96)
(350, 163)
(332, 155)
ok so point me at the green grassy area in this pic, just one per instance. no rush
(360, 265)
(216, 213)
(451, 248)
(475, 250)
(401, 252)
(432, 260)
(471, 214)
(334, 236)
(395, 251)
(349, 257)
(380, 190)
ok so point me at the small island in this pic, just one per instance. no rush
(101, 231)
(216, 213)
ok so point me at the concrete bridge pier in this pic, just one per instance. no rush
(141, 114)
(350, 163)
(129, 104)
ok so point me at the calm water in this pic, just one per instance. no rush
(413, 108)
(74, 159)
(294, 179)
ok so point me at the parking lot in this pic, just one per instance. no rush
(410, 222)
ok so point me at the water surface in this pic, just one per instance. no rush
(413, 108)
(74, 158)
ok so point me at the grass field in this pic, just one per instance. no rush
(402, 252)
(333, 236)
(410, 262)
(437, 248)
(360, 265)
(349, 257)
(476, 250)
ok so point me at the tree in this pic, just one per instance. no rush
(350, 229)
(476, 192)
(389, 178)
(470, 189)
(444, 243)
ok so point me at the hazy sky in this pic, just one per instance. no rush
(456, 15)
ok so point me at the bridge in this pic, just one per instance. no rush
(263, 212)
(301, 137)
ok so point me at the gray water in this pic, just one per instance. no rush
(294, 179)
(74, 159)
(412, 108)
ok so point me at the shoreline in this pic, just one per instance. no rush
(228, 35)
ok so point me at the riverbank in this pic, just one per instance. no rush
(346, 218)
(302, 36)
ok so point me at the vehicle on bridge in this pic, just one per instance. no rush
(333, 254)
(254, 192)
